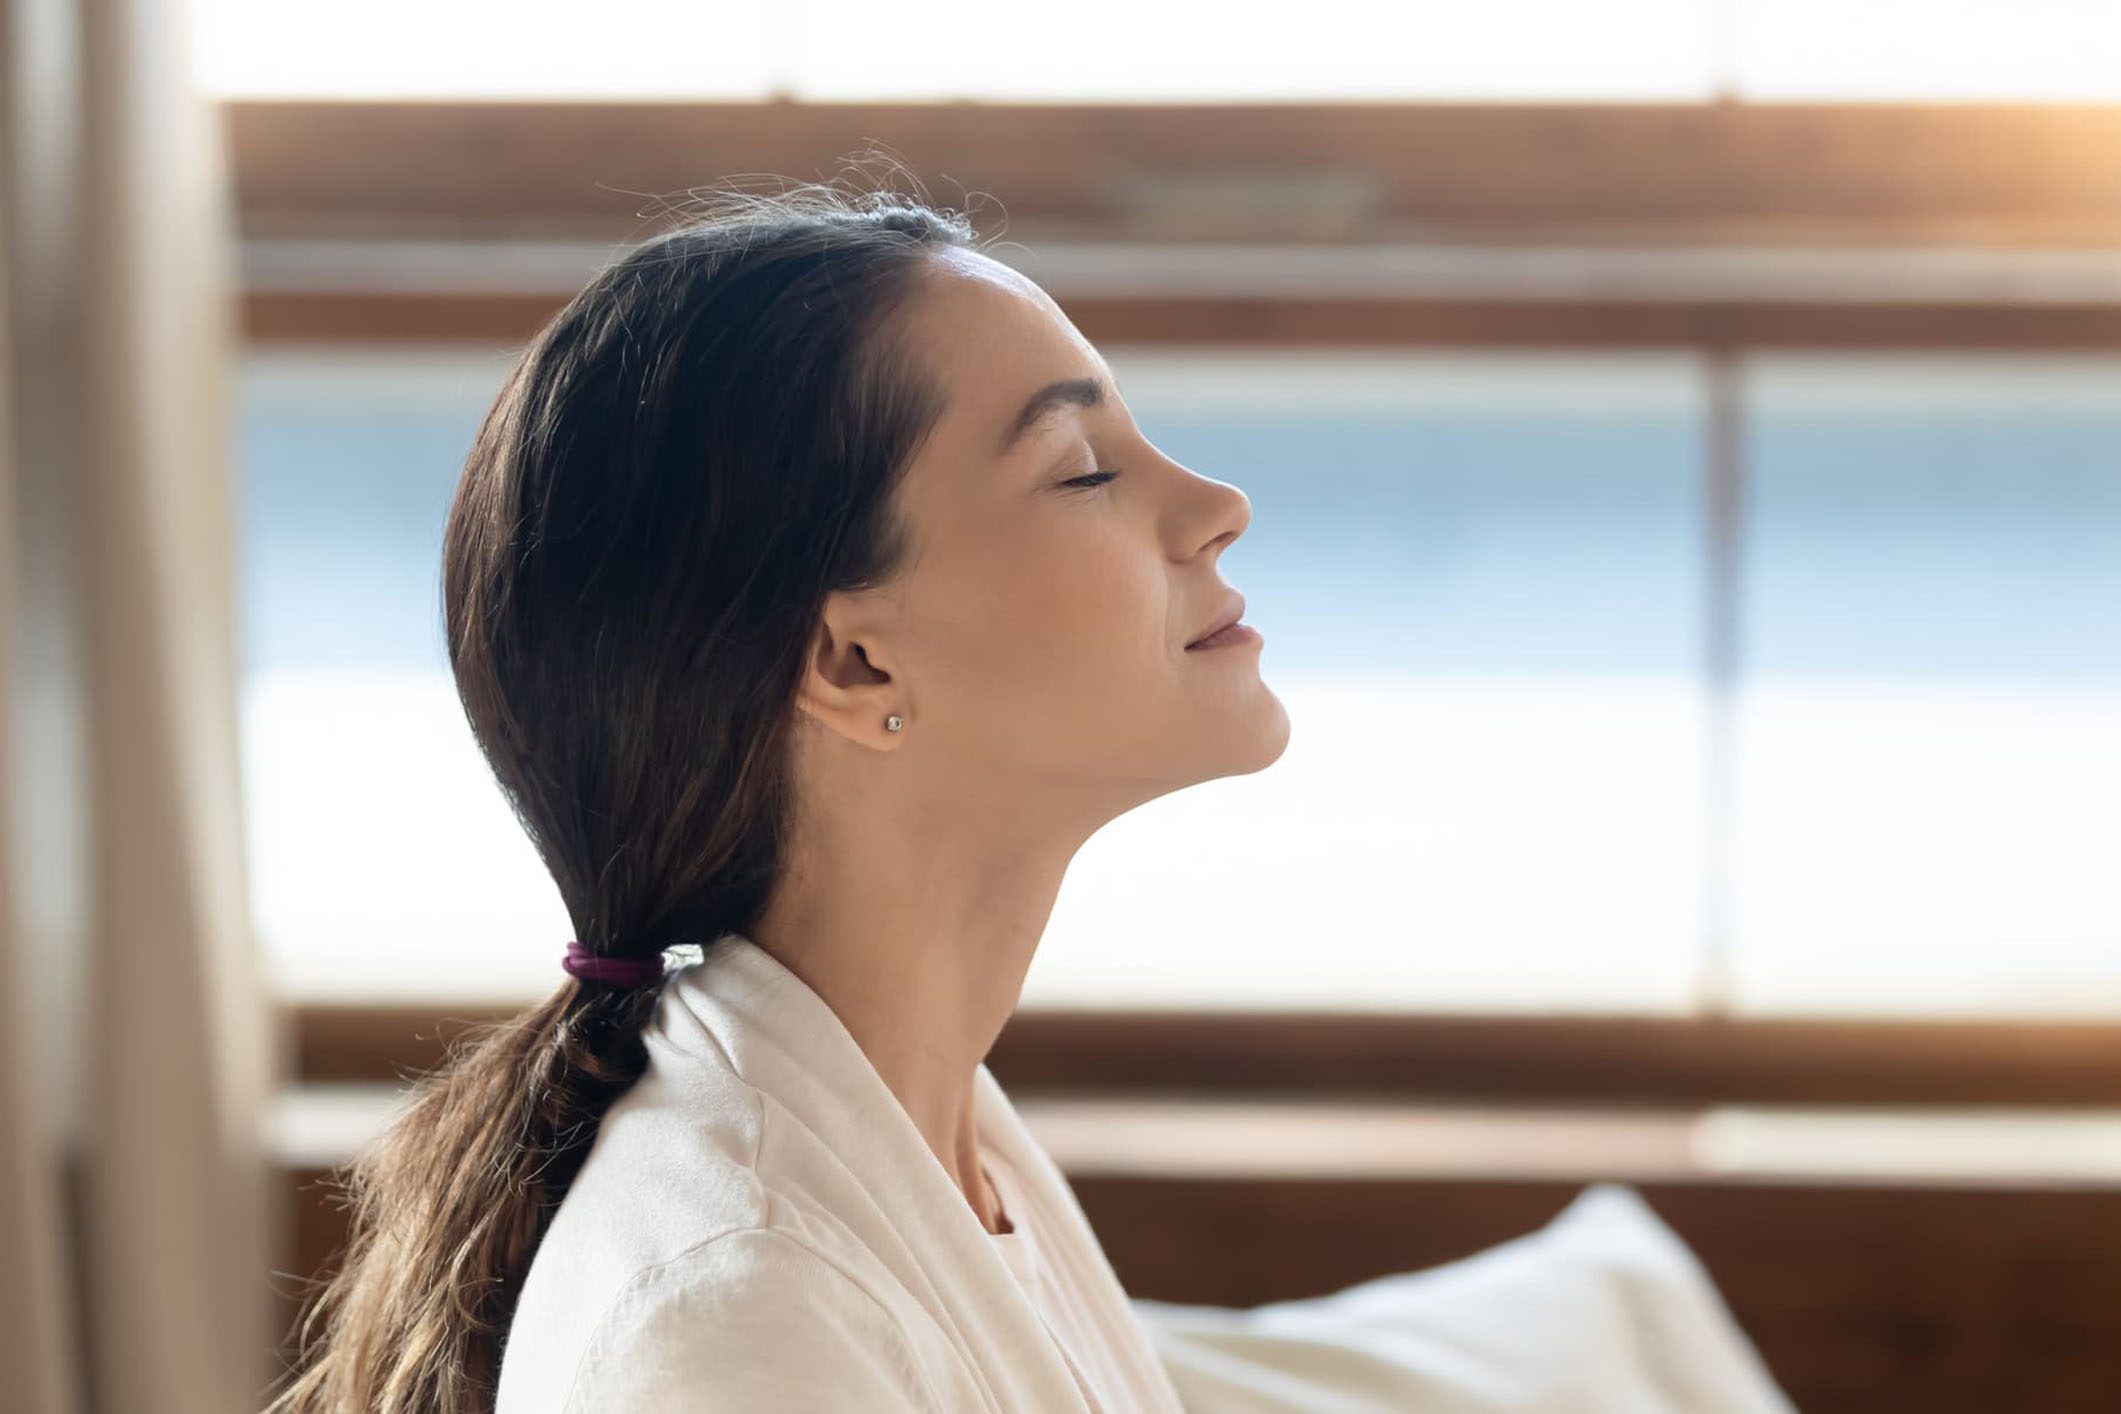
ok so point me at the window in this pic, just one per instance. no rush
(385, 861)
(845, 50)
(1125, 51)
(1928, 793)
(1960, 50)
(1484, 581)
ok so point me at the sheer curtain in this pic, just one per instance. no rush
(138, 1223)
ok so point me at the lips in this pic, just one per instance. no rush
(1233, 609)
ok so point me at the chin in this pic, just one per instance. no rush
(1275, 737)
(1260, 742)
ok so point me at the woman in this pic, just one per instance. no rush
(814, 597)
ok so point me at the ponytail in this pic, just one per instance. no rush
(449, 1203)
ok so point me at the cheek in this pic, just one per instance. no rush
(1065, 635)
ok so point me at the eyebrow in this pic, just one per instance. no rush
(1065, 393)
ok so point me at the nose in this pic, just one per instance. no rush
(1229, 511)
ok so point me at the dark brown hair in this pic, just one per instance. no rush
(696, 450)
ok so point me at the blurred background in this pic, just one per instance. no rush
(1684, 439)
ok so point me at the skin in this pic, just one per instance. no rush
(1035, 652)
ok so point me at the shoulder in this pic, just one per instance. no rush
(752, 1318)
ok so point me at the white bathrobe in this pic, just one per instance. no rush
(759, 1226)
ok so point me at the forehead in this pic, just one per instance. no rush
(992, 337)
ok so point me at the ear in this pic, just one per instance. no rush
(846, 686)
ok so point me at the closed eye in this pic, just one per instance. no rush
(1094, 479)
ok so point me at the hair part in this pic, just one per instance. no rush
(697, 449)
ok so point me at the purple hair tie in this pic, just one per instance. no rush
(618, 971)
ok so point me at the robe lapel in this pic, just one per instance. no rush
(889, 1187)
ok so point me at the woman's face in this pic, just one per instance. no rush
(1037, 639)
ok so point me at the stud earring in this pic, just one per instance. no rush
(892, 722)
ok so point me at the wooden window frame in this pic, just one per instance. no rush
(2007, 175)
(1487, 1059)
